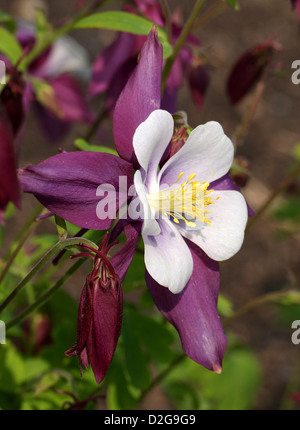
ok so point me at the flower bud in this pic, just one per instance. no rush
(99, 316)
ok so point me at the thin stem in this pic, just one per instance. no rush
(282, 187)
(44, 297)
(209, 14)
(56, 248)
(22, 237)
(180, 41)
(161, 376)
(45, 43)
(101, 117)
(270, 297)
(248, 117)
(167, 14)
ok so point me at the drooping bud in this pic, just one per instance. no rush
(99, 315)
(9, 187)
(249, 68)
(198, 78)
(11, 98)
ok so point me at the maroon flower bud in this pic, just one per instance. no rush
(198, 78)
(249, 68)
(99, 315)
(12, 100)
(9, 187)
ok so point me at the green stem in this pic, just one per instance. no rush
(270, 297)
(180, 41)
(282, 187)
(44, 297)
(43, 44)
(161, 376)
(56, 248)
(167, 14)
(22, 237)
(101, 116)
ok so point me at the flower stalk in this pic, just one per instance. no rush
(44, 260)
(180, 41)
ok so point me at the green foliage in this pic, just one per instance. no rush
(8, 21)
(191, 386)
(126, 22)
(233, 3)
(9, 46)
(83, 145)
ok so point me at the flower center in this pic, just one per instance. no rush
(186, 202)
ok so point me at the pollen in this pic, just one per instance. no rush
(187, 201)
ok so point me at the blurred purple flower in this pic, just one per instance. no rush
(296, 6)
(52, 86)
(179, 254)
(249, 68)
(112, 68)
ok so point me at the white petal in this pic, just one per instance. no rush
(224, 236)
(150, 225)
(206, 150)
(168, 258)
(150, 141)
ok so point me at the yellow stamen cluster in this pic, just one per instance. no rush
(188, 200)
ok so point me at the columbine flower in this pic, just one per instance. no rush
(99, 314)
(182, 244)
(113, 67)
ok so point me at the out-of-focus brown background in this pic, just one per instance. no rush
(264, 264)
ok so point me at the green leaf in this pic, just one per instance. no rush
(135, 360)
(61, 227)
(233, 3)
(9, 46)
(42, 25)
(126, 22)
(8, 21)
(83, 145)
(225, 307)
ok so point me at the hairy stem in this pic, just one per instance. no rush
(44, 297)
(22, 237)
(270, 297)
(56, 248)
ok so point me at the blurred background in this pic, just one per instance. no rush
(269, 260)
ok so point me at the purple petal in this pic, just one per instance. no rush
(227, 183)
(139, 98)
(111, 61)
(193, 312)
(67, 184)
(124, 256)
